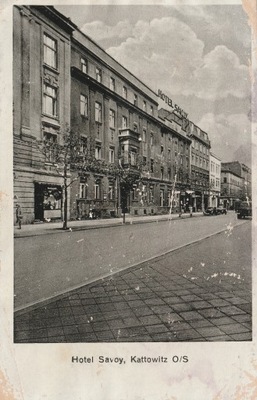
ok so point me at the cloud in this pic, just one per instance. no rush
(231, 135)
(98, 30)
(166, 53)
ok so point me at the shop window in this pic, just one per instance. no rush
(50, 51)
(50, 100)
(83, 105)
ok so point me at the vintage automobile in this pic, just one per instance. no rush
(215, 211)
(221, 210)
(210, 211)
(244, 209)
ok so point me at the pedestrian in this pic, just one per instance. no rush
(191, 211)
(18, 215)
(90, 214)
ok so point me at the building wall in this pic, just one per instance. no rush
(30, 72)
(215, 180)
(231, 187)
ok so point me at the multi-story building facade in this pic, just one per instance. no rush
(65, 83)
(231, 188)
(245, 173)
(215, 180)
(200, 159)
(41, 87)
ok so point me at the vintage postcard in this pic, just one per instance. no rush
(128, 222)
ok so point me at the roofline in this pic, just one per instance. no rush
(108, 55)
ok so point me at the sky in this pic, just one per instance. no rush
(198, 55)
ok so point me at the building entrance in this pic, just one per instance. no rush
(48, 202)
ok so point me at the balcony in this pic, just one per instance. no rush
(129, 136)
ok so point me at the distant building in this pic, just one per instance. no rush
(215, 180)
(200, 176)
(231, 188)
(245, 173)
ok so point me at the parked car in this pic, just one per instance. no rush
(210, 211)
(244, 209)
(221, 210)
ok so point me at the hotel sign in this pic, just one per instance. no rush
(171, 104)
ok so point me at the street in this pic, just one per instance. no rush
(49, 265)
(200, 292)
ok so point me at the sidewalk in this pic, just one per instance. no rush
(162, 300)
(45, 228)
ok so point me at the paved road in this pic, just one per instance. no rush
(48, 265)
(201, 292)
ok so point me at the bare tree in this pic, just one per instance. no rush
(71, 157)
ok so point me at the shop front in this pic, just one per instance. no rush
(48, 202)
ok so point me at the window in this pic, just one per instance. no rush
(112, 118)
(111, 155)
(151, 139)
(225, 180)
(82, 190)
(196, 160)
(98, 74)
(111, 191)
(169, 154)
(169, 174)
(162, 150)
(97, 190)
(144, 160)
(124, 92)
(152, 165)
(98, 151)
(50, 51)
(83, 145)
(124, 122)
(151, 195)
(135, 127)
(133, 157)
(98, 112)
(135, 99)
(162, 197)
(50, 100)
(144, 105)
(84, 65)
(193, 159)
(144, 135)
(112, 83)
(83, 105)
(162, 173)
(50, 141)
(151, 110)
